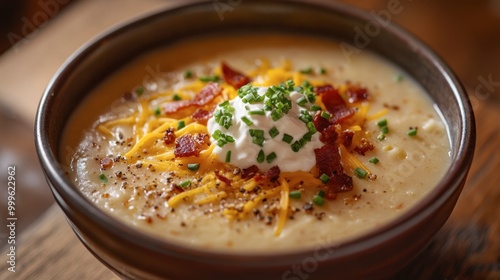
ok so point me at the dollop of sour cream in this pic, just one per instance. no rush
(275, 149)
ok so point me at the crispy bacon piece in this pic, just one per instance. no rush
(106, 163)
(329, 135)
(223, 178)
(201, 115)
(328, 162)
(320, 123)
(207, 94)
(176, 189)
(334, 103)
(249, 172)
(346, 137)
(356, 93)
(340, 183)
(169, 137)
(364, 147)
(233, 77)
(189, 145)
(273, 173)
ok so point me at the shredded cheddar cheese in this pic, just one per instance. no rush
(205, 187)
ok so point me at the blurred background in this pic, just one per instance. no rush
(466, 34)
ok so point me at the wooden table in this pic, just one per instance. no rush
(467, 247)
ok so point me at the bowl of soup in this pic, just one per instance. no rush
(256, 140)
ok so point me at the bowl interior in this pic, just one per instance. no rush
(92, 63)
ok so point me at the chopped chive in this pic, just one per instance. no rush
(384, 129)
(307, 70)
(382, 123)
(257, 112)
(360, 172)
(271, 157)
(176, 97)
(274, 132)
(321, 193)
(381, 137)
(228, 156)
(185, 184)
(246, 120)
(276, 114)
(207, 79)
(322, 71)
(157, 111)
(412, 132)
(374, 160)
(311, 127)
(296, 146)
(181, 124)
(216, 134)
(324, 178)
(325, 115)
(315, 107)
(261, 156)
(295, 194)
(302, 101)
(287, 138)
(398, 78)
(308, 136)
(188, 74)
(318, 200)
(139, 91)
(193, 166)
(103, 178)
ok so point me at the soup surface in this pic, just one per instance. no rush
(256, 143)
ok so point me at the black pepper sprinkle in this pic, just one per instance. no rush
(308, 206)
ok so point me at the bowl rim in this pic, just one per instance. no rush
(65, 191)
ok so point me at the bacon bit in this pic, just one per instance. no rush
(223, 178)
(364, 147)
(334, 103)
(169, 137)
(106, 163)
(329, 135)
(249, 172)
(207, 94)
(175, 189)
(346, 137)
(201, 116)
(273, 173)
(320, 123)
(356, 94)
(127, 96)
(233, 77)
(340, 183)
(189, 145)
(328, 162)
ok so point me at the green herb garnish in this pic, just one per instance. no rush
(360, 172)
(207, 79)
(374, 160)
(295, 194)
(103, 178)
(193, 166)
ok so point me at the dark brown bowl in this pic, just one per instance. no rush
(132, 254)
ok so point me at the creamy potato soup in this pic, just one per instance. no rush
(253, 143)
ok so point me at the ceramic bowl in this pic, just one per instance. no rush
(378, 254)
